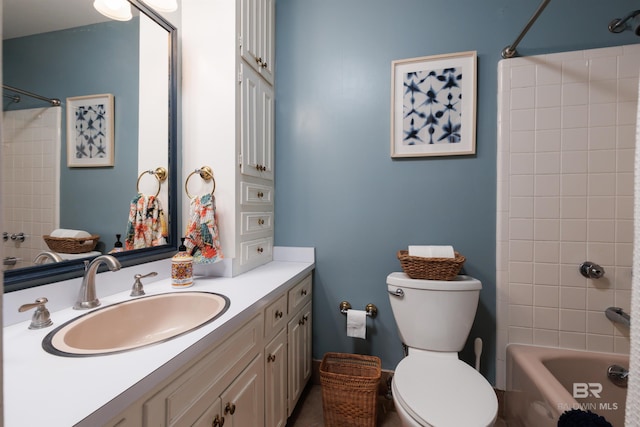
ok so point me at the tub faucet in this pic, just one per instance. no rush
(617, 315)
(43, 256)
(87, 297)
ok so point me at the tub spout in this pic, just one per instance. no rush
(618, 375)
(616, 314)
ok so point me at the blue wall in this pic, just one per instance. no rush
(88, 60)
(337, 188)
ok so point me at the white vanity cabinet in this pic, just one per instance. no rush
(228, 118)
(253, 377)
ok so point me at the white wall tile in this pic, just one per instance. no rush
(573, 340)
(575, 116)
(573, 207)
(547, 140)
(545, 318)
(575, 94)
(575, 139)
(571, 135)
(573, 298)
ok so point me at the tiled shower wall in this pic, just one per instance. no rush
(566, 144)
(30, 179)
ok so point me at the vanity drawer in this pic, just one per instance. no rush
(300, 294)
(275, 316)
(255, 194)
(256, 222)
(256, 251)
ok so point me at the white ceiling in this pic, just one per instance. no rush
(25, 17)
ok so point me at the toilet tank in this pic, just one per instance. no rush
(434, 315)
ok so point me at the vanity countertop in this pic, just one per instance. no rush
(43, 389)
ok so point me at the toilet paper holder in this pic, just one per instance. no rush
(371, 309)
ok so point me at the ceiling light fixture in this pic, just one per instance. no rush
(163, 5)
(119, 10)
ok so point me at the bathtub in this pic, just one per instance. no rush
(542, 381)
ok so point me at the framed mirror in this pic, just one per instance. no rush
(79, 54)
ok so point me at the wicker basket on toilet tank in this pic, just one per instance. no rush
(431, 268)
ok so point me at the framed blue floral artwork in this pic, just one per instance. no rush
(90, 131)
(433, 105)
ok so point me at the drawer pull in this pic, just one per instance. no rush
(305, 317)
(260, 250)
(217, 421)
(279, 314)
(301, 321)
(271, 358)
(261, 168)
(260, 194)
(230, 408)
(303, 292)
(260, 221)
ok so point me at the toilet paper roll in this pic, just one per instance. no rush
(357, 324)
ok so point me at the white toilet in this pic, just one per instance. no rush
(431, 386)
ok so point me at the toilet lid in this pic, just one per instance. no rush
(444, 391)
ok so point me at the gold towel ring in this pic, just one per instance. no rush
(206, 174)
(161, 176)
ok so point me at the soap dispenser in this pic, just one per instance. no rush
(117, 246)
(182, 268)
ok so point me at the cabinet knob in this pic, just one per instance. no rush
(230, 408)
(260, 221)
(305, 317)
(264, 64)
(259, 61)
(301, 322)
(279, 314)
(303, 292)
(260, 250)
(217, 421)
(260, 194)
(271, 358)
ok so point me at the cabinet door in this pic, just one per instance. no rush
(257, 21)
(275, 381)
(299, 336)
(267, 34)
(257, 125)
(249, 41)
(212, 417)
(243, 400)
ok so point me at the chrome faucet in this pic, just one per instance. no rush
(43, 256)
(87, 297)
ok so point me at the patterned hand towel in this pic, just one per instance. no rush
(202, 239)
(147, 226)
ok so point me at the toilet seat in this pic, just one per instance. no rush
(441, 390)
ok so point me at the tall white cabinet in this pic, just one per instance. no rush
(228, 120)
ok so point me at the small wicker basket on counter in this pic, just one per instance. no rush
(349, 389)
(72, 245)
(431, 268)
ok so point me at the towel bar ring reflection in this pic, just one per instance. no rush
(161, 176)
(206, 174)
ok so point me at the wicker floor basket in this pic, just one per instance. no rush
(71, 245)
(349, 389)
(431, 268)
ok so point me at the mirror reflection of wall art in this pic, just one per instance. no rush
(433, 105)
(90, 131)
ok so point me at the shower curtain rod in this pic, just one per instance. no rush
(53, 101)
(510, 51)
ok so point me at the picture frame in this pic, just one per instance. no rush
(433, 105)
(90, 131)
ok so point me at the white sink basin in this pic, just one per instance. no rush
(135, 323)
